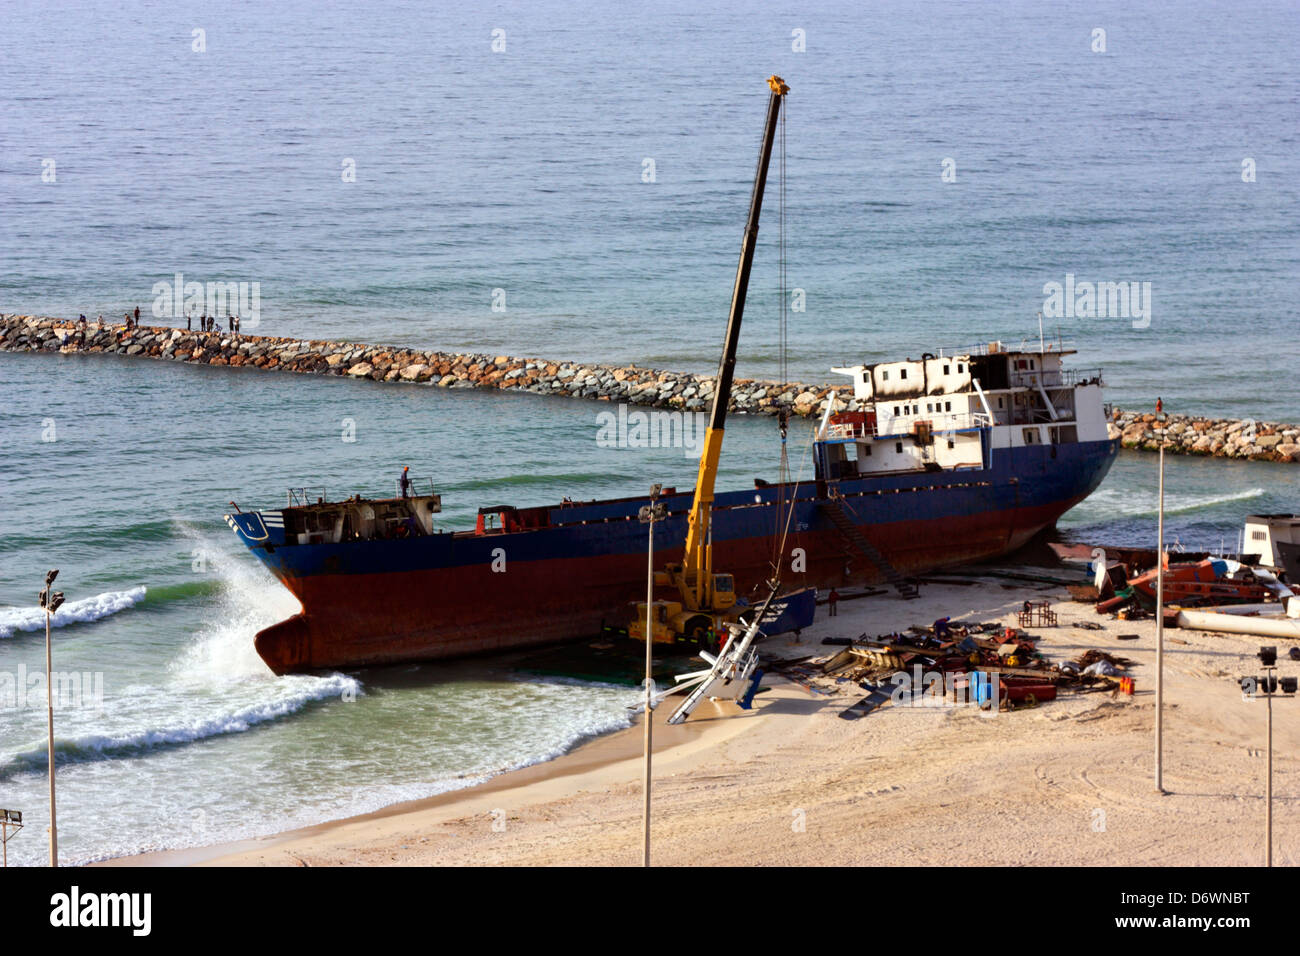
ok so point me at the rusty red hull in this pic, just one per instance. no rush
(382, 618)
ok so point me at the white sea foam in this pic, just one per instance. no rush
(13, 619)
(217, 684)
(1112, 503)
(290, 695)
(563, 713)
(250, 598)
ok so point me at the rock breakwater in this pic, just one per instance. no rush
(631, 384)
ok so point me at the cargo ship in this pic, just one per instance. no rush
(959, 456)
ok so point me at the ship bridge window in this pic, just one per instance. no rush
(1031, 435)
(898, 447)
(902, 373)
(947, 406)
(884, 375)
(945, 370)
(960, 368)
(895, 411)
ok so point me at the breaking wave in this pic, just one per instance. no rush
(13, 619)
(215, 685)
(1114, 503)
(295, 694)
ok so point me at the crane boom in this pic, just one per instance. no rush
(696, 571)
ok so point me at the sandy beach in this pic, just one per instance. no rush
(789, 782)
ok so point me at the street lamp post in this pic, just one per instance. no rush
(1268, 687)
(51, 601)
(649, 514)
(1160, 615)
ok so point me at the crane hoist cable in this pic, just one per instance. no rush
(783, 415)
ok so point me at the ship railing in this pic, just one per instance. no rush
(891, 427)
(939, 422)
(1000, 348)
(416, 487)
(301, 497)
(1056, 378)
(848, 430)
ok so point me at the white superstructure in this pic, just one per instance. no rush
(949, 410)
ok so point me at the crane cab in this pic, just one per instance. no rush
(674, 621)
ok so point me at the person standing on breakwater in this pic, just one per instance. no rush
(137, 318)
(189, 321)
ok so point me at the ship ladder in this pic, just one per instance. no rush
(834, 511)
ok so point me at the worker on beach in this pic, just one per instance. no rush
(832, 602)
(405, 482)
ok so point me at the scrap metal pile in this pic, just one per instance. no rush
(952, 663)
(1211, 581)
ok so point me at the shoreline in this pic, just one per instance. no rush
(618, 751)
(790, 783)
(1236, 439)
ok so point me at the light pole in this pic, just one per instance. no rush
(51, 601)
(9, 818)
(649, 514)
(1160, 615)
(1269, 684)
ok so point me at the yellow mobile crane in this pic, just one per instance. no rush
(708, 600)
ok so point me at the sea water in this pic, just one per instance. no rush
(945, 165)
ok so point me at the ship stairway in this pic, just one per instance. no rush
(834, 511)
